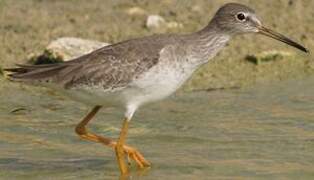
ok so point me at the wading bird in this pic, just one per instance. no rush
(138, 71)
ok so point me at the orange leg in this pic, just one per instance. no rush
(119, 146)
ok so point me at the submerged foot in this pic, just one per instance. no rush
(136, 156)
(131, 154)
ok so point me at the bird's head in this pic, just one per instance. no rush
(233, 18)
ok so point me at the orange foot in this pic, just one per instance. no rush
(136, 156)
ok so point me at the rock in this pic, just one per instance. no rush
(66, 48)
(267, 56)
(155, 21)
(136, 11)
(158, 22)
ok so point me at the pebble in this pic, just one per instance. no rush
(155, 21)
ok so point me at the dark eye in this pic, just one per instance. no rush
(241, 17)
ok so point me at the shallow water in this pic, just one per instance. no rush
(266, 132)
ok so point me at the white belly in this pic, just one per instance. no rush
(156, 84)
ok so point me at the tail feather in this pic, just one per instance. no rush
(34, 73)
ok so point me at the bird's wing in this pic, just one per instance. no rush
(111, 67)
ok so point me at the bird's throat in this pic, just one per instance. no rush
(206, 45)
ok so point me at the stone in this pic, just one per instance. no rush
(69, 47)
(155, 21)
(66, 48)
(268, 56)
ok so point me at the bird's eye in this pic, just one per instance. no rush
(241, 17)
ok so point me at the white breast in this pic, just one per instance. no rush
(154, 85)
(160, 81)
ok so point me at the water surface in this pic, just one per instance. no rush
(266, 132)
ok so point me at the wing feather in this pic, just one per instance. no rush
(112, 66)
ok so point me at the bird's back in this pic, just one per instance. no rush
(111, 67)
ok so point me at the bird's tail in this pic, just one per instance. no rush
(34, 73)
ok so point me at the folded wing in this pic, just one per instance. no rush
(109, 67)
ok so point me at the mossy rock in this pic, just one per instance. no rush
(267, 56)
(47, 57)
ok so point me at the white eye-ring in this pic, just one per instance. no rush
(241, 17)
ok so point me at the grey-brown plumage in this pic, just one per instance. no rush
(113, 66)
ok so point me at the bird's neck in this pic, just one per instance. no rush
(206, 43)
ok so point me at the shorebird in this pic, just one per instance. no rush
(132, 73)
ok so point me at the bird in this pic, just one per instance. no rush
(135, 72)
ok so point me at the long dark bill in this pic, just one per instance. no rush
(280, 37)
